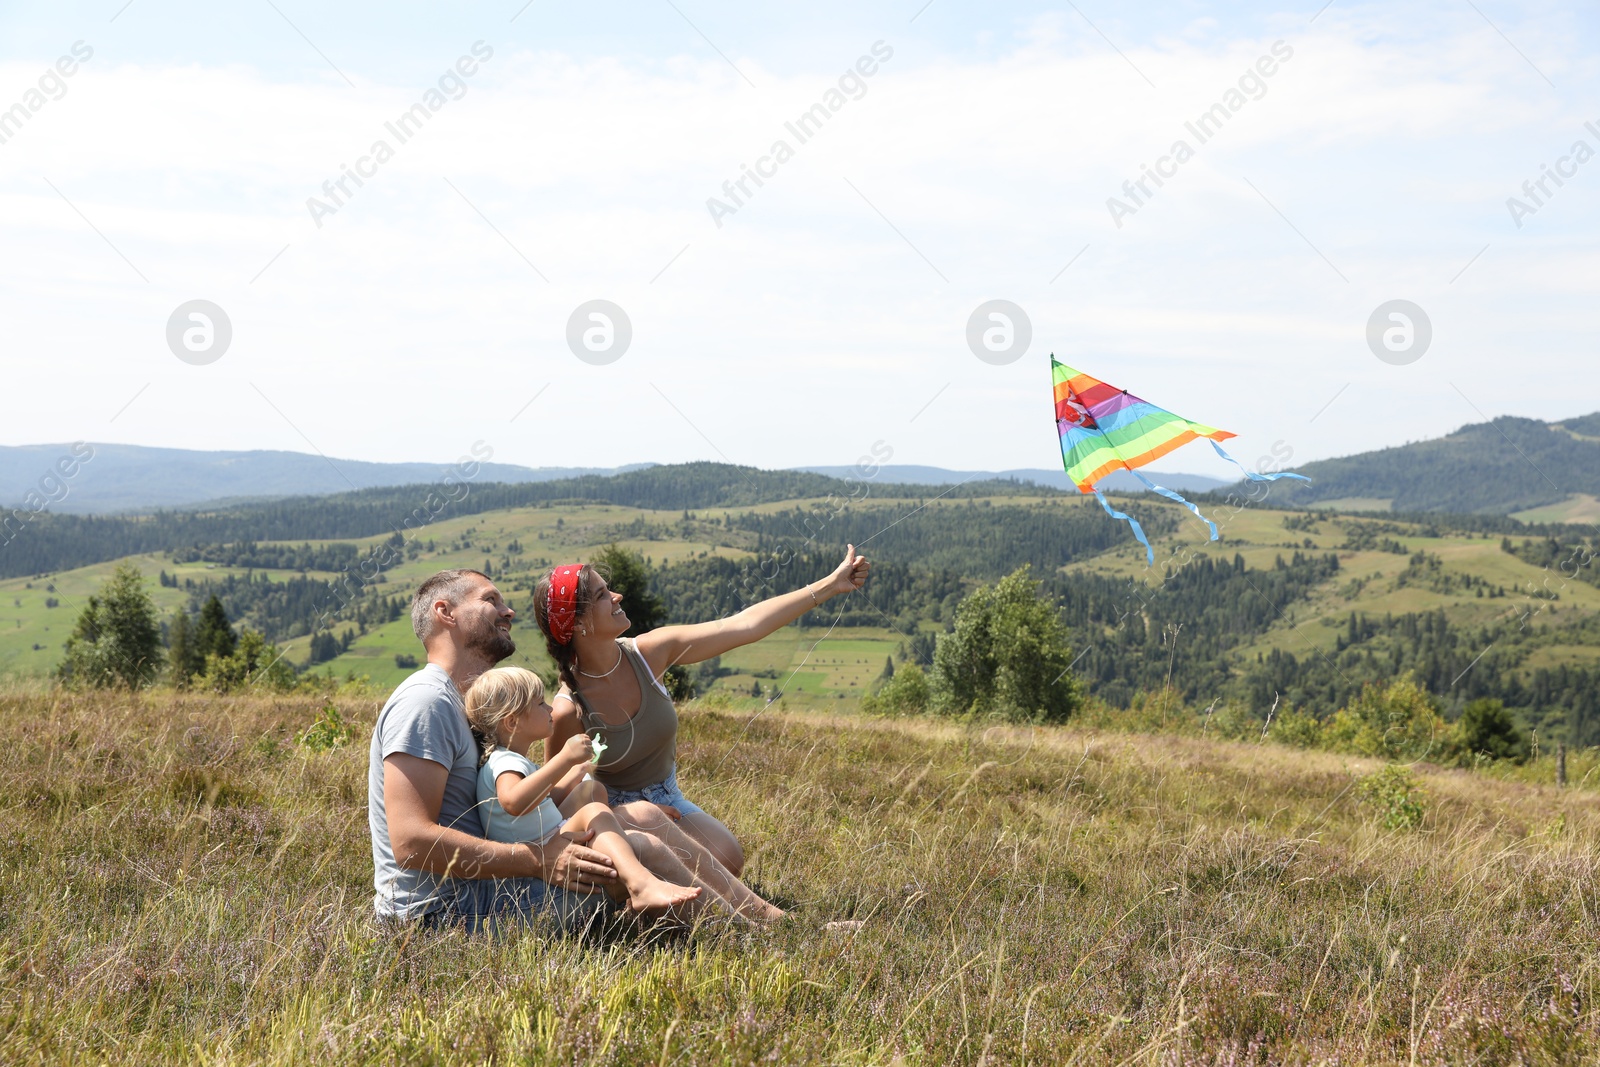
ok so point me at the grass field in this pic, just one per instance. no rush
(186, 884)
(27, 619)
(1577, 507)
(811, 667)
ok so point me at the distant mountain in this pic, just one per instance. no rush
(137, 478)
(129, 477)
(1507, 465)
(1121, 481)
(36, 543)
(1502, 467)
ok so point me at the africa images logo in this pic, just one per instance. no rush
(402, 129)
(1204, 127)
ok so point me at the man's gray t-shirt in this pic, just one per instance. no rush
(425, 717)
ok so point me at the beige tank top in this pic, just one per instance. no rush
(643, 750)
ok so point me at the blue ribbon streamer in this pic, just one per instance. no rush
(1252, 475)
(1138, 531)
(1170, 495)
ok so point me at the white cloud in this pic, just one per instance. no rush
(805, 328)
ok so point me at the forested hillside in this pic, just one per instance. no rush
(1197, 625)
(36, 543)
(1301, 608)
(1506, 465)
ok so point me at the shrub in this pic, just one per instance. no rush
(1229, 722)
(1296, 728)
(1394, 794)
(328, 730)
(254, 662)
(1486, 728)
(1008, 655)
(1399, 721)
(907, 693)
(679, 683)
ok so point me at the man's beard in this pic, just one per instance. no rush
(491, 643)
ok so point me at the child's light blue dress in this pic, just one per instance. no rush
(538, 825)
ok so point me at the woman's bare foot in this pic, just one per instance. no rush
(657, 897)
(766, 913)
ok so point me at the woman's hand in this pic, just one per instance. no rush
(849, 575)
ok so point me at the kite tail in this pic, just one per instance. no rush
(1252, 475)
(1170, 495)
(1138, 531)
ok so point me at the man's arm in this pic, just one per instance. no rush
(413, 795)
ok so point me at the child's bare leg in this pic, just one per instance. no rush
(646, 892)
(699, 861)
(582, 795)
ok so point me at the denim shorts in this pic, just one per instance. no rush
(492, 905)
(666, 792)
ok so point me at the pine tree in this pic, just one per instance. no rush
(625, 573)
(183, 656)
(324, 646)
(628, 574)
(117, 639)
(214, 635)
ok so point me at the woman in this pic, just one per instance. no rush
(611, 685)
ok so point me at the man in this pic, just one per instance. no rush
(430, 860)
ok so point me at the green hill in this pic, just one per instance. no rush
(36, 543)
(1501, 467)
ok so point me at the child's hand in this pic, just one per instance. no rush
(670, 812)
(578, 749)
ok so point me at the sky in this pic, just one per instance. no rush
(443, 299)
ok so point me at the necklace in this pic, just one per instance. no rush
(603, 674)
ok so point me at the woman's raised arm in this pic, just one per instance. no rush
(663, 647)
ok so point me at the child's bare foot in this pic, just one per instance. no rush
(657, 897)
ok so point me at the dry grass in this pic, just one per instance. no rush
(183, 883)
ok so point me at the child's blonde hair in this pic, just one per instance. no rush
(496, 695)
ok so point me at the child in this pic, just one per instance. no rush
(521, 801)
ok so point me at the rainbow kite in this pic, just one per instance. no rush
(1105, 429)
